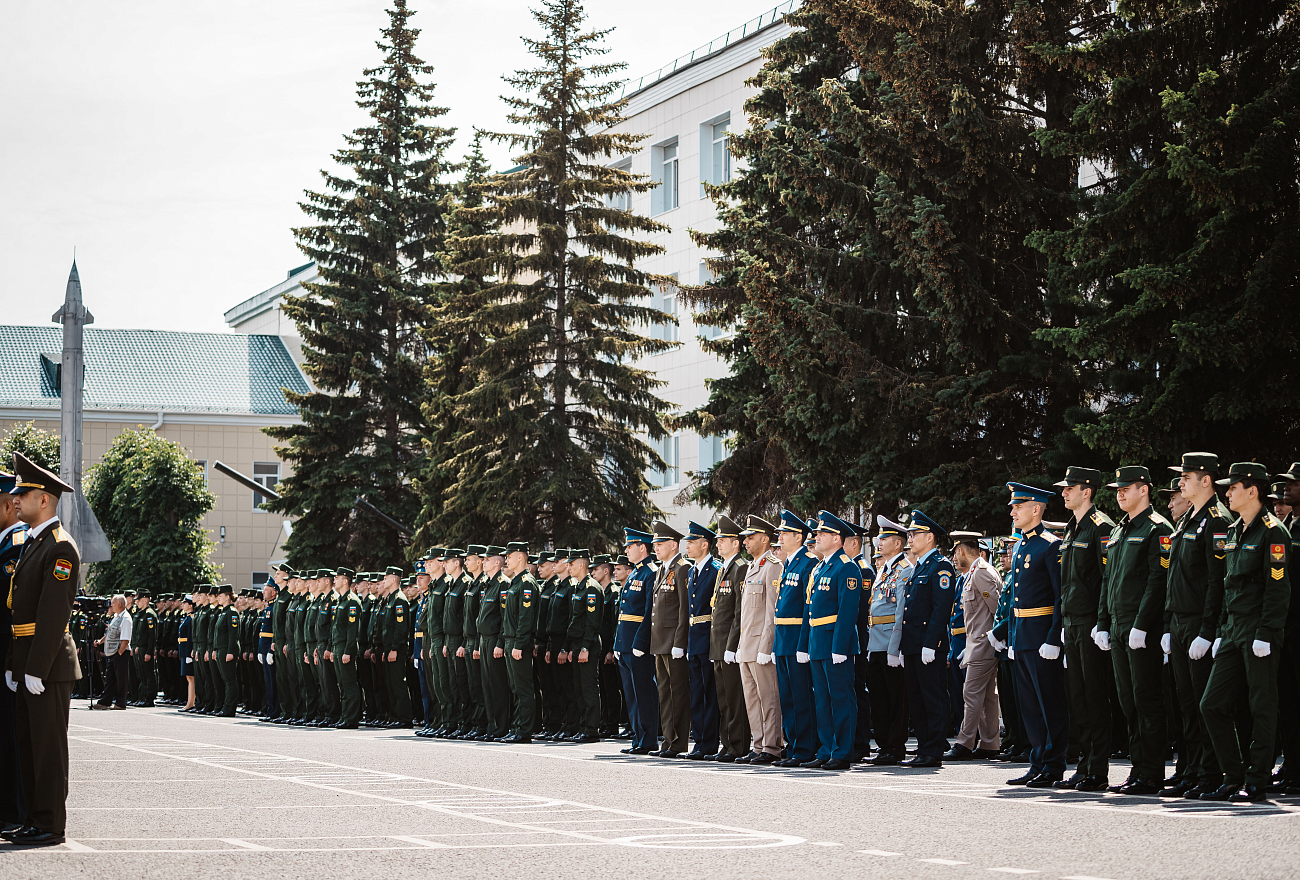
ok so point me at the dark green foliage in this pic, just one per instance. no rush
(42, 447)
(150, 498)
(379, 246)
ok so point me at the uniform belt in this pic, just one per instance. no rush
(632, 618)
(1045, 611)
(884, 618)
(702, 618)
(182, 640)
(24, 629)
(419, 635)
(822, 621)
(789, 621)
(959, 631)
(270, 635)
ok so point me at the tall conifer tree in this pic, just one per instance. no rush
(552, 445)
(379, 245)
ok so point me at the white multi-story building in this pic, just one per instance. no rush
(686, 109)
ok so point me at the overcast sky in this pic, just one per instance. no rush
(170, 143)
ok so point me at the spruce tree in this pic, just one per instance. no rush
(1183, 269)
(552, 444)
(379, 247)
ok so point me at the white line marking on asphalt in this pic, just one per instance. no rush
(943, 862)
(879, 852)
(1014, 870)
(74, 846)
(242, 844)
(1083, 877)
(826, 843)
(421, 841)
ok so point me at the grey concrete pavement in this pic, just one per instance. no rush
(160, 795)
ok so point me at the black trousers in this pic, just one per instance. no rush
(11, 793)
(888, 704)
(926, 683)
(42, 730)
(115, 681)
(1010, 707)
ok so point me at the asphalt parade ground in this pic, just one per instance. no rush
(155, 794)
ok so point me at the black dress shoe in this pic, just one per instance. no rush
(695, 755)
(1023, 780)
(814, 764)
(985, 753)
(745, 759)
(1178, 789)
(763, 758)
(836, 764)
(1195, 792)
(666, 753)
(1043, 780)
(347, 725)
(788, 762)
(9, 829)
(626, 751)
(1140, 787)
(230, 715)
(1222, 793)
(641, 751)
(1121, 786)
(958, 753)
(1247, 794)
(1093, 783)
(36, 837)
(724, 759)
(884, 759)
(583, 739)
(1071, 782)
(921, 761)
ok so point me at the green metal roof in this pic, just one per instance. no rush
(153, 370)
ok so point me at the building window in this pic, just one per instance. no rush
(666, 302)
(707, 331)
(621, 201)
(712, 451)
(259, 579)
(669, 449)
(715, 152)
(202, 465)
(666, 173)
(265, 473)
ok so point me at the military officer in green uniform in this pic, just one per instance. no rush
(144, 649)
(518, 631)
(285, 681)
(1130, 617)
(453, 649)
(345, 648)
(586, 611)
(438, 674)
(397, 647)
(1193, 606)
(496, 679)
(225, 648)
(1088, 675)
(1256, 596)
(470, 602)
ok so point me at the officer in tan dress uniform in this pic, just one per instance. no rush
(757, 617)
(670, 619)
(981, 590)
(42, 662)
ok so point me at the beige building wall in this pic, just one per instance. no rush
(252, 537)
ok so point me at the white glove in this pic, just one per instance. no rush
(1166, 643)
(1137, 639)
(34, 685)
(637, 652)
(1198, 648)
(1049, 652)
(1102, 639)
(801, 656)
(260, 659)
(1011, 653)
(764, 659)
(729, 657)
(1261, 649)
(927, 655)
(962, 654)
(894, 660)
(997, 646)
(839, 658)
(679, 653)
(1065, 662)
(1166, 659)
(1214, 649)
(9, 681)
(618, 655)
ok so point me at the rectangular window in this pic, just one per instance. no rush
(265, 473)
(706, 331)
(621, 201)
(202, 465)
(669, 449)
(666, 301)
(666, 174)
(712, 451)
(715, 152)
(259, 578)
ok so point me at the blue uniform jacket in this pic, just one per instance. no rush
(957, 625)
(11, 547)
(791, 599)
(928, 606)
(634, 602)
(185, 639)
(1035, 581)
(699, 585)
(265, 635)
(832, 612)
(418, 645)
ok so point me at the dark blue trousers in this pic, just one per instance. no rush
(704, 704)
(1040, 690)
(926, 684)
(271, 701)
(642, 695)
(426, 698)
(798, 712)
(837, 708)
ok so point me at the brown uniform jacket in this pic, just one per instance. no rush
(725, 633)
(43, 587)
(979, 605)
(758, 607)
(670, 615)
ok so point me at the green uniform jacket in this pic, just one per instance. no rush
(557, 615)
(471, 601)
(198, 631)
(609, 618)
(489, 606)
(225, 633)
(376, 634)
(307, 626)
(453, 609)
(345, 635)
(1137, 567)
(279, 618)
(1083, 566)
(40, 593)
(542, 599)
(146, 636)
(1196, 568)
(293, 625)
(586, 611)
(519, 612)
(398, 624)
(1256, 586)
(433, 609)
(325, 619)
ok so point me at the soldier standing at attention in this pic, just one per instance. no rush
(701, 580)
(586, 607)
(884, 657)
(1256, 595)
(266, 651)
(561, 703)
(1132, 606)
(345, 648)
(1288, 676)
(225, 648)
(611, 690)
(437, 673)
(518, 625)
(492, 661)
(471, 600)
(13, 534)
(756, 619)
(793, 674)
(397, 648)
(977, 737)
(144, 650)
(453, 649)
(926, 609)
(1193, 606)
(669, 628)
(636, 665)
(724, 639)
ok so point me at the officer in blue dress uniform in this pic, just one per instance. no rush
(1032, 636)
(956, 647)
(13, 535)
(793, 672)
(861, 692)
(700, 583)
(636, 665)
(265, 640)
(926, 612)
(830, 640)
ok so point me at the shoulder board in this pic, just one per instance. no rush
(862, 564)
(844, 557)
(1270, 521)
(18, 536)
(1050, 537)
(1157, 518)
(1098, 518)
